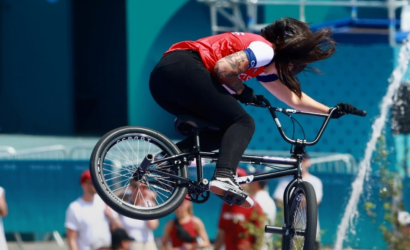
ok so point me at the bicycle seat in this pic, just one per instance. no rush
(186, 125)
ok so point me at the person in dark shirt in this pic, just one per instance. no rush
(400, 126)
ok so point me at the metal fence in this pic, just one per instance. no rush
(321, 162)
(230, 9)
(52, 152)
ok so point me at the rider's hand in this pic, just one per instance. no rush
(248, 96)
(342, 109)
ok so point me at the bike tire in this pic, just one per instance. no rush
(113, 164)
(302, 217)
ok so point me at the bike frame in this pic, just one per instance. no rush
(294, 162)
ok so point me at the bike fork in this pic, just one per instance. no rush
(286, 226)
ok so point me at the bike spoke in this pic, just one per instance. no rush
(299, 224)
(123, 193)
(114, 155)
(119, 167)
(300, 218)
(132, 164)
(118, 174)
(115, 190)
(299, 245)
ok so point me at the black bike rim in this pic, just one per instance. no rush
(163, 187)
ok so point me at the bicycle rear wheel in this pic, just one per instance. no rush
(303, 219)
(115, 164)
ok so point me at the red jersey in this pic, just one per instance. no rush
(213, 48)
(231, 220)
(189, 227)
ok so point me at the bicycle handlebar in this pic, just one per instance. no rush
(359, 112)
(273, 110)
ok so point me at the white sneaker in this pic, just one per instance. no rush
(224, 185)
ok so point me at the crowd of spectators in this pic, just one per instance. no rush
(92, 225)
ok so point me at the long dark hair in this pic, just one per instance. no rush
(296, 44)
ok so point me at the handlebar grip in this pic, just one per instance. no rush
(359, 112)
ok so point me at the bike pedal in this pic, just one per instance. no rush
(233, 196)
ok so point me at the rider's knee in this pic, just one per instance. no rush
(248, 121)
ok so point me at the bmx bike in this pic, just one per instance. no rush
(142, 174)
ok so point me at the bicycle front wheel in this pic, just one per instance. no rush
(115, 168)
(303, 218)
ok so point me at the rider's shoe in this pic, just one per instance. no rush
(224, 185)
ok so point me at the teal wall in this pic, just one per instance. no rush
(36, 75)
(314, 14)
(151, 31)
(318, 14)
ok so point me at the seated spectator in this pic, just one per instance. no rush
(240, 228)
(141, 231)
(3, 213)
(186, 231)
(120, 240)
(89, 220)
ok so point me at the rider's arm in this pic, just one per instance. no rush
(228, 69)
(283, 93)
(71, 239)
(219, 241)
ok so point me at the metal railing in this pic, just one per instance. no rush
(250, 25)
(52, 152)
(6, 151)
(321, 162)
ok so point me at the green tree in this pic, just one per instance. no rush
(396, 236)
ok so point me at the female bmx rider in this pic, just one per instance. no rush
(204, 78)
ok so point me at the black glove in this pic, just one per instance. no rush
(342, 109)
(247, 96)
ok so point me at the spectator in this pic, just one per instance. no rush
(89, 220)
(3, 213)
(240, 228)
(400, 126)
(306, 176)
(120, 240)
(262, 197)
(186, 231)
(141, 231)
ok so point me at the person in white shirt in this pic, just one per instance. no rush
(3, 213)
(89, 220)
(306, 176)
(141, 231)
(262, 197)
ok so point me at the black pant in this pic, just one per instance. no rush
(181, 84)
